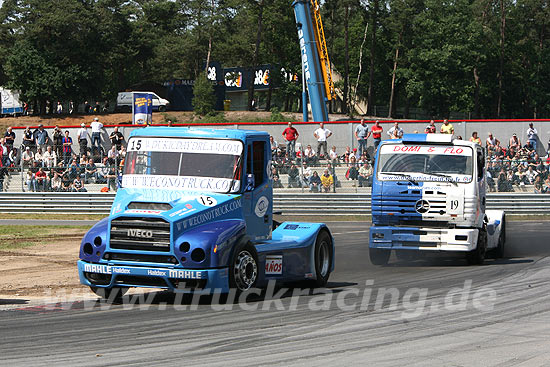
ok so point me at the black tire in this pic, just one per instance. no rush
(378, 256)
(477, 256)
(323, 258)
(243, 267)
(162, 108)
(499, 251)
(110, 294)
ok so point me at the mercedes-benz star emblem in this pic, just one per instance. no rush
(422, 206)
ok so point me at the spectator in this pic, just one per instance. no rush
(274, 146)
(352, 171)
(78, 185)
(491, 143)
(116, 138)
(322, 134)
(59, 108)
(41, 180)
(333, 156)
(28, 138)
(395, 132)
(41, 137)
(362, 134)
(106, 107)
(113, 153)
(97, 107)
(327, 181)
(27, 158)
(87, 107)
(291, 135)
(447, 128)
(293, 177)
(306, 174)
(514, 143)
(532, 136)
(55, 182)
(14, 158)
(430, 129)
(475, 138)
(539, 186)
(71, 107)
(365, 175)
(31, 181)
(4, 151)
(309, 155)
(531, 175)
(111, 175)
(377, 134)
(122, 153)
(314, 182)
(276, 179)
(39, 157)
(9, 137)
(334, 176)
(96, 135)
(528, 148)
(67, 147)
(58, 142)
(83, 138)
(345, 157)
(50, 159)
(91, 171)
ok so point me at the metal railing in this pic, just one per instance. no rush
(285, 203)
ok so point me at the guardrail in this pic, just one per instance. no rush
(286, 203)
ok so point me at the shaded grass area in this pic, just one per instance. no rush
(22, 236)
(46, 216)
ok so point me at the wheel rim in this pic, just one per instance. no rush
(323, 259)
(245, 270)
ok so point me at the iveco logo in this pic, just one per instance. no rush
(422, 206)
(140, 233)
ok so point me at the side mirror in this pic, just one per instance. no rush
(250, 184)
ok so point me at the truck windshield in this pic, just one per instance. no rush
(425, 163)
(183, 163)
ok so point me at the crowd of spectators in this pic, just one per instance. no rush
(50, 163)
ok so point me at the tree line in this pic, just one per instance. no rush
(487, 58)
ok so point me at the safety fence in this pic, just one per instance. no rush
(284, 203)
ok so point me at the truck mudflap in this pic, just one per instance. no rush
(176, 280)
(423, 239)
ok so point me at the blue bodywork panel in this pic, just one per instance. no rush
(165, 237)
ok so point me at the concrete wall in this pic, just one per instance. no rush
(343, 131)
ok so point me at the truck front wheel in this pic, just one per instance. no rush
(243, 268)
(110, 294)
(379, 256)
(477, 256)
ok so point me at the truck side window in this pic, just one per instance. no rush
(259, 163)
(480, 164)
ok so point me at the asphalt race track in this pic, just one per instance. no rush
(444, 313)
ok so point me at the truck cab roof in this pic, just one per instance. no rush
(189, 132)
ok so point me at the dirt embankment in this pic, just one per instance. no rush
(126, 118)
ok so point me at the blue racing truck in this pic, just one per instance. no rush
(194, 213)
(429, 195)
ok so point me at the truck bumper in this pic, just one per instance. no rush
(423, 239)
(177, 280)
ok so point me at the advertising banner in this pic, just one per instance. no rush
(142, 108)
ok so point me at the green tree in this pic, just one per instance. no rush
(203, 95)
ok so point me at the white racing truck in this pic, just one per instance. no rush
(429, 195)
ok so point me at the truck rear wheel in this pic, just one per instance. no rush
(378, 256)
(110, 294)
(477, 256)
(243, 268)
(323, 258)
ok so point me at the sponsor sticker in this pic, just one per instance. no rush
(209, 146)
(261, 206)
(143, 211)
(274, 265)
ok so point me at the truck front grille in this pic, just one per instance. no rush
(141, 234)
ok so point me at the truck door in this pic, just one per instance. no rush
(481, 177)
(258, 198)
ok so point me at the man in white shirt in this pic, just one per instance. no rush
(50, 159)
(333, 155)
(83, 138)
(395, 132)
(321, 134)
(532, 136)
(96, 134)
